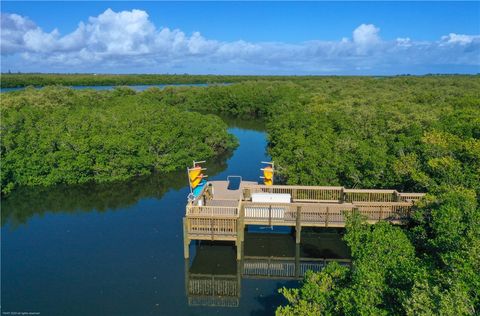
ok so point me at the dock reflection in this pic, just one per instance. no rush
(214, 276)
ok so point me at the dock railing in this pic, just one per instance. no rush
(298, 193)
(332, 194)
(212, 210)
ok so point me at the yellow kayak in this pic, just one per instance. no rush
(194, 173)
(268, 173)
(196, 181)
(268, 181)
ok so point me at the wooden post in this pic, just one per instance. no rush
(211, 228)
(239, 277)
(297, 260)
(239, 249)
(186, 241)
(246, 194)
(298, 226)
(326, 217)
(397, 196)
(270, 215)
(187, 278)
(241, 219)
(239, 241)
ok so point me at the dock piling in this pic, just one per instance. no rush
(298, 225)
(186, 240)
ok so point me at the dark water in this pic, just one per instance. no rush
(135, 87)
(117, 249)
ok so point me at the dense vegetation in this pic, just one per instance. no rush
(59, 135)
(418, 134)
(12, 80)
(409, 133)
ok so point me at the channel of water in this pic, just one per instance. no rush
(117, 249)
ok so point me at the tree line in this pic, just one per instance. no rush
(14, 80)
(60, 135)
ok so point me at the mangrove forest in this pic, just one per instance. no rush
(409, 133)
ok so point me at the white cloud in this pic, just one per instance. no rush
(128, 40)
(13, 28)
(461, 39)
(366, 34)
(404, 41)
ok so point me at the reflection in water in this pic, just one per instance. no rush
(26, 202)
(214, 278)
(251, 125)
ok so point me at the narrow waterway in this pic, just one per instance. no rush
(134, 87)
(117, 249)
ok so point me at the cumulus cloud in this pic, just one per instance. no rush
(366, 34)
(13, 29)
(461, 39)
(129, 40)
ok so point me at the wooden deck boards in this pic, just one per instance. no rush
(214, 202)
(221, 191)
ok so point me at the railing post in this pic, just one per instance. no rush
(240, 231)
(241, 218)
(211, 227)
(326, 217)
(270, 215)
(298, 226)
(381, 213)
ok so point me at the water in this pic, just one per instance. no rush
(117, 249)
(135, 87)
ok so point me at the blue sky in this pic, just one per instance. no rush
(242, 38)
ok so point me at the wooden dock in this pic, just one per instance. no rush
(220, 213)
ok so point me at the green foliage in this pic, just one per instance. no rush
(58, 135)
(397, 272)
(446, 232)
(248, 99)
(318, 294)
(405, 133)
(37, 79)
(382, 258)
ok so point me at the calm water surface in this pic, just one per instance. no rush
(117, 249)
